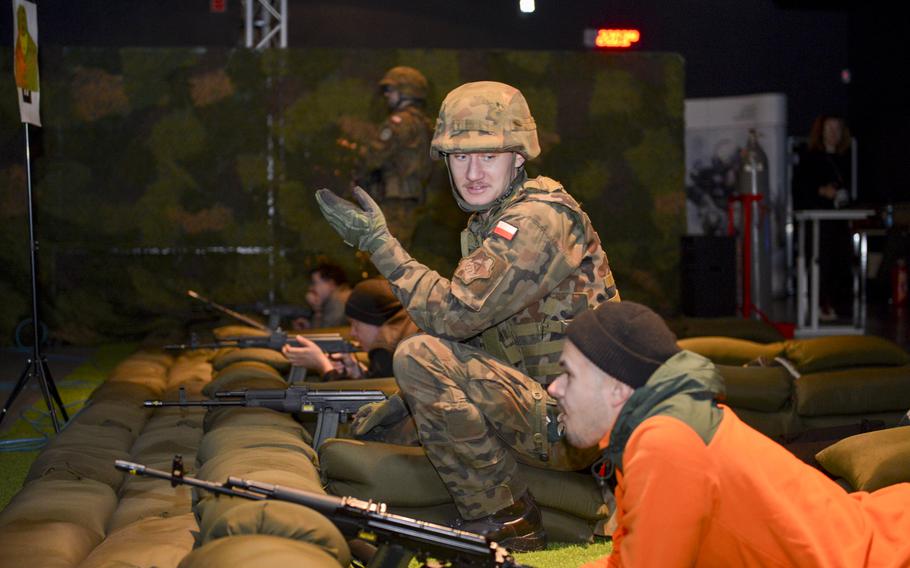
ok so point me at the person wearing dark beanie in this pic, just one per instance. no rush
(625, 339)
(378, 324)
(689, 482)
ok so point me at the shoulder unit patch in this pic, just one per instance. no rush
(478, 265)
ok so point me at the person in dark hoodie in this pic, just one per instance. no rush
(378, 324)
(694, 485)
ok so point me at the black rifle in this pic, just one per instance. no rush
(328, 342)
(399, 538)
(330, 406)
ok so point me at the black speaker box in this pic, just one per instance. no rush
(708, 272)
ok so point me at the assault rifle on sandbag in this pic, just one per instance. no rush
(399, 538)
(328, 342)
(330, 406)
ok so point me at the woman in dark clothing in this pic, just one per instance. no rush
(378, 323)
(822, 181)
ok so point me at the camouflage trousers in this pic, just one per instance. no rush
(477, 417)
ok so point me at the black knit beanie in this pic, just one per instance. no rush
(372, 301)
(626, 340)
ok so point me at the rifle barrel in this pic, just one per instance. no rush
(157, 403)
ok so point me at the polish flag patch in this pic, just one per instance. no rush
(505, 230)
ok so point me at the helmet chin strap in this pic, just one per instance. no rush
(469, 208)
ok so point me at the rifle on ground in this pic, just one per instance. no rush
(331, 406)
(328, 342)
(399, 538)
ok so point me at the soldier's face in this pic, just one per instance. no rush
(364, 333)
(481, 178)
(392, 97)
(589, 399)
(321, 288)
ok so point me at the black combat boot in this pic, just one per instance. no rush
(517, 527)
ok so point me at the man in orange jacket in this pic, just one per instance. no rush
(694, 485)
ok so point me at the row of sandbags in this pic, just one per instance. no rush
(265, 446)
(76, 510)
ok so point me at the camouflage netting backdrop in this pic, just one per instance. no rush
(159, 170)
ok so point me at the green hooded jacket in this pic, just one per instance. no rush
(685, 387)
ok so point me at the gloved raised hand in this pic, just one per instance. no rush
(385, 413)
(361, 226)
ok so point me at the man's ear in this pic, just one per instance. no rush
(519, 160)
(620, 393)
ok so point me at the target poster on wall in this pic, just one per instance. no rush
(25, 60)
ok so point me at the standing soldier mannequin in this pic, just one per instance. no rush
(395, 166)
(476, 382)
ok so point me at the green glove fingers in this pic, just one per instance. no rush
(362, 225)
(385, 413)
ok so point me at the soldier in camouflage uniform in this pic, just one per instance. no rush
(475, 382)
(395, 166)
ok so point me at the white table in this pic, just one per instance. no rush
(807, 324)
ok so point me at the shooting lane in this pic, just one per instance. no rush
(159, 172)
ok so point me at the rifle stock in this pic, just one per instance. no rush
(399, 538)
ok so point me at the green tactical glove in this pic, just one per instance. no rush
(363, 226)
(375, 414)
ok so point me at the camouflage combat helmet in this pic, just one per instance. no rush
(485, 116)
(406, 80)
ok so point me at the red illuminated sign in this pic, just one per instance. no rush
(616, 38)
(217, 6)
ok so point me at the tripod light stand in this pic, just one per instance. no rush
(36, 366)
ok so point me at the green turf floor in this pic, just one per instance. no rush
(20, 445)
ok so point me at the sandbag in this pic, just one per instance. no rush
(45, 544)
(258, 551)
(226, 439)
(175, 440)
(729, 350)
(76, 463)
(153, 542)
(226, 416)
(124, 393)
(142, 497)
(872, 460)
(766, 389)
(76, 435)
(240, 463)
(84, 502)
(860, 390)
(174, 416)
(402, 476)
(137, 367)
(271, 357)
(131, 418)
(842, 351)
(274, 518)
(245, 375)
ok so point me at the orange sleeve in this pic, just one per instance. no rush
(665, 496)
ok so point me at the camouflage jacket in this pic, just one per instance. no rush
(529, 265)
(399, 156)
